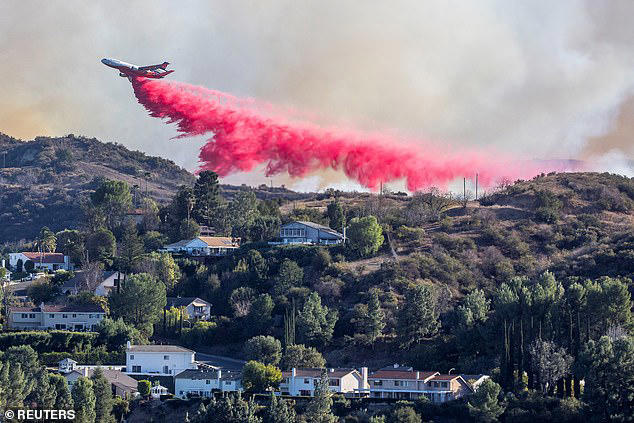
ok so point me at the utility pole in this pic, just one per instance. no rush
(464, 191)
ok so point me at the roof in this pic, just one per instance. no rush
(114, 377)
(158, 348)
(82, 308)
(316, 226)
(220, 241)
(181, 243)
(53, 258)
(445, 377)
(401, 374)
(316, 373)
(182, 301)
(80, 278)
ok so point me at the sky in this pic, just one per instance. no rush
(538, 79)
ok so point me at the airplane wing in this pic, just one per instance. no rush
(154, 67)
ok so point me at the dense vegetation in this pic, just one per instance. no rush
(531, 284)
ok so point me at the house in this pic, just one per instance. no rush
(157, 390)
(197, 309)
(61, 317)
(100, 283)
(202, 382)
(301, 232)
(66, 365)
(159, 360)
(302, 382)
(404, 383)
(204, 246)
(120, 383)
(43, 261)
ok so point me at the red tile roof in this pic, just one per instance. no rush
(445, 377)
(316, 373)
(400, 374)
(53, 258)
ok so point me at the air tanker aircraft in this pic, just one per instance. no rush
(127, 70)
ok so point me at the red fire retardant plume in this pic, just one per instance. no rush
(244, 136)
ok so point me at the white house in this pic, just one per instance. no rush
(101, 284)
(302, 382)
(301, 232)
(44, 261)
(204, 382)
(62, 317)
(204, 246)
(197, 309)
(157, 390)
(159, 360)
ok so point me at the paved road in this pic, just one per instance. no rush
(227, 363)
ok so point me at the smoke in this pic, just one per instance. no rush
(532, 79)
(246, 135)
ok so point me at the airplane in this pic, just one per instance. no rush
(127, 70)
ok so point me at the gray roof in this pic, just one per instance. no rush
(80, 277)
(158, 348)
(317, 226)
(182, 301)
(178, 244)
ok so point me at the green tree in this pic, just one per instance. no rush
(113, 199)
(103, 397)
(370, 319)
(44, 393)
(474, 309)
(42, 292)
(336, 216)
(153, 240)
(280, 411)
(365, 235)
(242, 212)
(127, 305)
(264, 349)
(289, 276)
(404, 414)
(299, 355)
(418, 318)
(120, 408)
(114, 334)
(162, 266)
(46, 240)
(316, 322)
(70, 242)
(319, 407)
(84, 400)
(258, 377)
(29, 266)
(207, 194)
(144, 386)
(264, 228)
(607, 366)
(15, 385)
(259, 318)
(187, 229)
(229, 409)
(63, 397)
(484, 405)
(101, 245)
(130, 247)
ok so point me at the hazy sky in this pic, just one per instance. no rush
(542, 79)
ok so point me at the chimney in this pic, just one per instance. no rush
(417, 375)
(219, 373)
(293, 372)
(396, 365)
(128, 345)
(85, 371)
(331, 370)
(364, 377)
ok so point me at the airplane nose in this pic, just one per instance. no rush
(104, 61)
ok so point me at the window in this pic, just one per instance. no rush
(307, 381)
(25, 316)
(443, 384)
(131, 356)
(51, 316)
(333, 382)
(207, 381)
(31, 316)
(90, 316)
(166, 369)
(398, 383)
(378, 383)
(64, 316)
(74, 315)
(435, 384)
(166, 357)
(136, 369)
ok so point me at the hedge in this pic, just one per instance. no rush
(45, 341)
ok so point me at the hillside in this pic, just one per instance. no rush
(46, 179)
